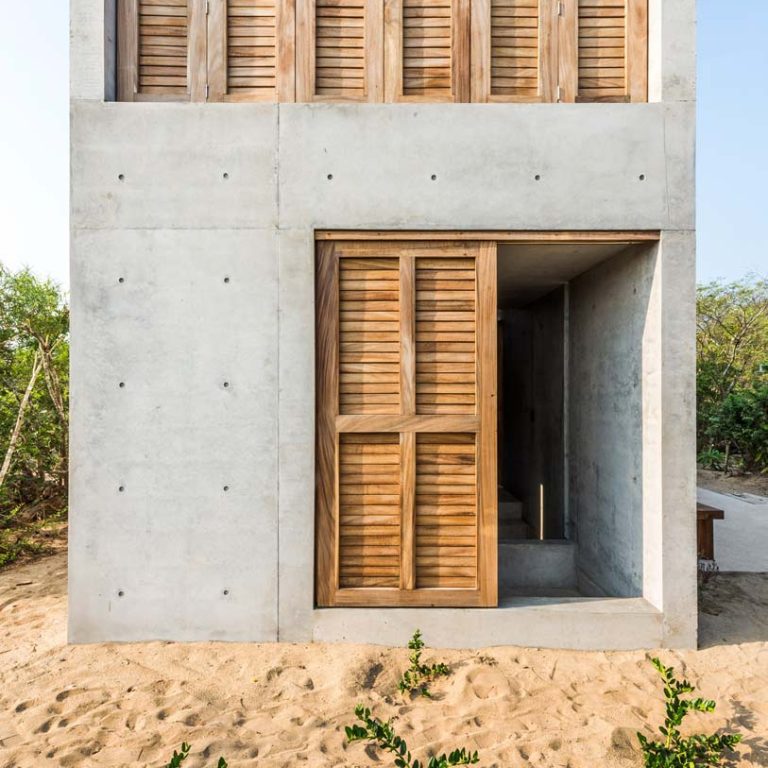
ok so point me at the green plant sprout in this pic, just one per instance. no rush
(383, 735)
(675, 751)
(179, 757)
(418, 676)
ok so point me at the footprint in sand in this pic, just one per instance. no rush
(487, 683)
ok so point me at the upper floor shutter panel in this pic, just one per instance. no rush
(163, 47)
(339, 50)
(426, 50)
(515, 49)
(251, 50)
(161, 50)
(612, 50)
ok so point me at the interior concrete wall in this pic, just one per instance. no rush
(608, 309)
(173, 541)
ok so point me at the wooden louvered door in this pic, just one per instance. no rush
(161, 50)
(339, 53)
(607, 42)
(406, 423)
(426, 50)
(250, 50)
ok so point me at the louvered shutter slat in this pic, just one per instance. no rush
(602, 45)
(445, 336)
(163, 44)
(251, 48)
(446, 511)
(340, 48)
(369, 336)
(369, 511)
(515, 49)
(427, 48)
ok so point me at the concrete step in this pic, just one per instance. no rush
(528, 566)
(510, 530)
(510, 510)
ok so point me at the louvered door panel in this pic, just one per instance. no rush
(515, 49)
(427, 48)
(251, 49)
(340, 48)
(446, 325)
(446, 511)
(602, 33)
(406, 454)
(163, 45)
(369, 510)
(369, 335)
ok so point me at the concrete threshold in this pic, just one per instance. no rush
(578, 623)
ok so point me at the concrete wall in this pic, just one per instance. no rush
(608, 309)
(193, 561)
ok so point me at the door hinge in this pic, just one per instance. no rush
(558, 94)
(207, 91)
(560, 8)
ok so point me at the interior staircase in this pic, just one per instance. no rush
(512, 527)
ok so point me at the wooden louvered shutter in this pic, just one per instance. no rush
(514, 51)
(426, 50)
(609, 39)
(250, 50)
(406, 458)
(161, 50)
(339, 50)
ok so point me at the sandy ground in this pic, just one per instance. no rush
(286, 705)
(717, 481)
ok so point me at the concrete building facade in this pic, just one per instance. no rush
(194, 340)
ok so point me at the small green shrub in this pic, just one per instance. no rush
(711, 458)
(675, 751)
(418, 676)
(179, 757)
(383, 735)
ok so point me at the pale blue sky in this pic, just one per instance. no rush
(732, 130)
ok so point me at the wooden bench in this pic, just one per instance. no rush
(705, 533)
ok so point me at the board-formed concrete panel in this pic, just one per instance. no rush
(174, 435)
(431, 166)
(174, 166)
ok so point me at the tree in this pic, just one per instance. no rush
(34, 320)
(732, 357)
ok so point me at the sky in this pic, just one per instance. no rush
(732, 152)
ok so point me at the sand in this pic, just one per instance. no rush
(286, 705)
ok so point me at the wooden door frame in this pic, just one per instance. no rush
(330, 424)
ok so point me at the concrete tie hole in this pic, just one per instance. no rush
(120, 593)
(120, 279)
(225, 175)
(121, 488)
(433, 177)
(537, 177)
(226, 488)
(121, 177)
(330, 177)
(226, 592)
(642, 177)
(226, 385)
(226, 280)
(121, 385)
